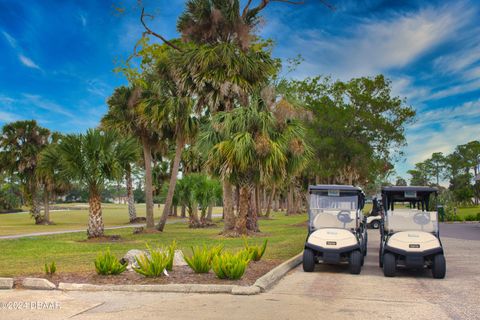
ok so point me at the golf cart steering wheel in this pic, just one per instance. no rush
(421, 218)
(344, 217)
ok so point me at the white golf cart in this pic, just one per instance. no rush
(374, 219)
(336, 228)
(410, 236)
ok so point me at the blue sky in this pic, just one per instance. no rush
(57, 57)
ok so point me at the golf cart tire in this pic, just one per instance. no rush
(355, 262)
(375, 224)
(439, 266)
(308, 260)
(389, 265)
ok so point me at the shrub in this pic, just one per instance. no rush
(201, 259)
(50, 269)
(106, 264)
(478, 216)
(231, 266)
(256, 252)
(171, 254)
(471, 217)
(154, 265)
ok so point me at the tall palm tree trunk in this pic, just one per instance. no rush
(132, 212)
(252, 216)
(269, 201)
(171, 186)
(244, 199)
(147, 154)
(183, 211)
(290, 201)
(95, 221)
(228, 214)
(46, 215)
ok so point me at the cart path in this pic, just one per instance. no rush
(466, 231)
(328, 293)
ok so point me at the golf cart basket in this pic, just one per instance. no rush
(331, 206)
(417, 217)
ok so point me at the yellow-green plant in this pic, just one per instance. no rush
(171, 254)
(256, 252)
(231, 266)
(50, 269)
(153, 265)
(201, 259)
(106, 264)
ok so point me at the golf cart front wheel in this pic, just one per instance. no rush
(375, 224)
(439, 267)
(355, 262)
(389, 265)
(308, 260)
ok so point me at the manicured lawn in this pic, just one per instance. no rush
(72, 253)
(463, 212)
(113, 215)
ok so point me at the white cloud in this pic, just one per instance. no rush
(379, 45)
(457, 89)
(11, 40)
(441, 130)
(48, 105)
(7, 116)
(28, 62)
(83, 19)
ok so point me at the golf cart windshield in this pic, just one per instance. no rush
(333, 211)
(408, 209)
(406, 219)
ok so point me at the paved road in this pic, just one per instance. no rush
(329, 293)
(466, 231)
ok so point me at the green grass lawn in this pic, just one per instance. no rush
(463, 212)
(72, 253)
(113, 215)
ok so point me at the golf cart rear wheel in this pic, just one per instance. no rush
(375, 224)
(355, 262)
(308, 260)
(439, 267)
(389, 265)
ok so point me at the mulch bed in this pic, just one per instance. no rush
(179, 274)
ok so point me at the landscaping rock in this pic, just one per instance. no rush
(38, 284)
(129, 257)
(246, 291)
(178, 259)
(6, 283)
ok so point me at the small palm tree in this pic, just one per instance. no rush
(92, 159)
(20, 145)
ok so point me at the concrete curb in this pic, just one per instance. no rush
(38, 284)
(270, 278)
(6, 283)
(182, 288)
(461, 222)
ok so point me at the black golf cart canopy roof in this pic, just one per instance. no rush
(407, 193)
(339, 187)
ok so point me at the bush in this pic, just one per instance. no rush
(201, 259)
(471, 217)
(106, 264)
(231, 266)
(154, 265)
(255, 252)
(478, 216)
(50, 269)
(171, 254)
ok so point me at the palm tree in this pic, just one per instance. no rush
(125, 115)
(253, 146)
(48, 175)
(92, 159)
(129, 152)
(20, 145)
